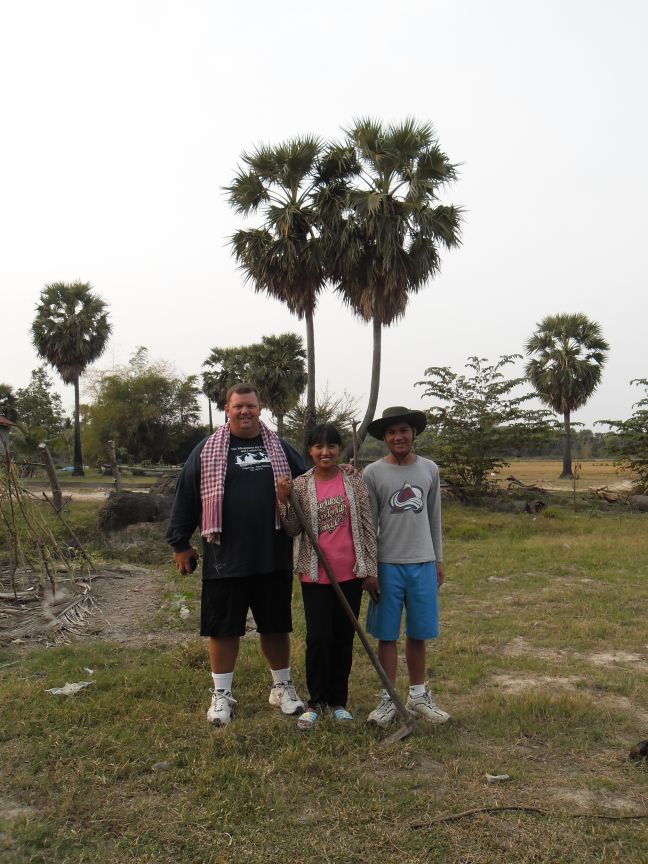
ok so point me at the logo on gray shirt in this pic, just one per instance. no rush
(408, 497)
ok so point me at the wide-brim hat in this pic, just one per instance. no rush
(397, 414)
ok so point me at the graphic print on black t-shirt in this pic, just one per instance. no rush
(251, 457)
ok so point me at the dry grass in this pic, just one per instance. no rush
(543, 662)
(593, 473)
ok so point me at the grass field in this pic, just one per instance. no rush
(543, 663)
(593, 473)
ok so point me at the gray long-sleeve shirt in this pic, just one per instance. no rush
(406, 508)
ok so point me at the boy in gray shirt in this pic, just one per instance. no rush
(405, 497)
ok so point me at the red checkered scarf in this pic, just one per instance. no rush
(213, 465)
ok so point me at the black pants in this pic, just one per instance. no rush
(329, 641)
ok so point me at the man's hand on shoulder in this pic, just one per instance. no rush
(186, 561)
(350, 470)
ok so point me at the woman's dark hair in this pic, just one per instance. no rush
(324, 433)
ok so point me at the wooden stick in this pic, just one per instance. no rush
(57, 495)
(110, 447)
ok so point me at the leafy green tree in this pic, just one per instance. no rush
(479, 419)
(186, 398)
(632, 438)
(283, 257)
(147, 409)
(8, 403)
(40, 412)
(278, 369)
(339, 410)
(383, 223)
(567, 354)
(70, 331)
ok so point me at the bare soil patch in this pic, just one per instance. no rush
(520, 646)
(128, 600)
(10, 810)
(518, 684)
(596, 801)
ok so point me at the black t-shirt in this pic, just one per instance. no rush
(250, 543)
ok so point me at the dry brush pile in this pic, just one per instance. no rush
(45, 585)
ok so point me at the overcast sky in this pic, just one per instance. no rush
(123, 120)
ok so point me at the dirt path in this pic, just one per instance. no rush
(128, 599)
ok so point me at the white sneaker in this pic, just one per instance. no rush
(220, 711)
(284, 696)
(425, 706)
(384, 714)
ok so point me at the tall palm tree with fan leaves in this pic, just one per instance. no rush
(283, 257)
(383, 222)
(567, 354)
(70, 331)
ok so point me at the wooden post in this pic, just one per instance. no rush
(57, 496)
(114, 467)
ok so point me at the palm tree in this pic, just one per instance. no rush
(284, 256)
(383, 222)
(567, 358)
(224, 368)
(279, 371)
(70, 331)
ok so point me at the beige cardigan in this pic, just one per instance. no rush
(362, 528)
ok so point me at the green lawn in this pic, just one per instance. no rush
(543, 662)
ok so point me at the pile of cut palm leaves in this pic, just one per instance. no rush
(45, 586)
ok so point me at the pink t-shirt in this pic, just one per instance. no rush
(334, 528)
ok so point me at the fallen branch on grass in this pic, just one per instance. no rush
(606, 494)
(453, 817)
(518, 484)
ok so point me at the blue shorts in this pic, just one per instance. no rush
(409, 586)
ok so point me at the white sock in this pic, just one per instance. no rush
(223, 681)
(416, 690)
(280, 676)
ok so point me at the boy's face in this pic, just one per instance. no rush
(399, 439)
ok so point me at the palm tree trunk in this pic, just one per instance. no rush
(280, 425)
(567, 457)
(310, 417)
(373, 390)
(78, 458)
(211, 419)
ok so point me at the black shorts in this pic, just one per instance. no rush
(225, 604)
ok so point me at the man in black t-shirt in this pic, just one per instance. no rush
(229, 490)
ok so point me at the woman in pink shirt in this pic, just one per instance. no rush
(337, 505)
